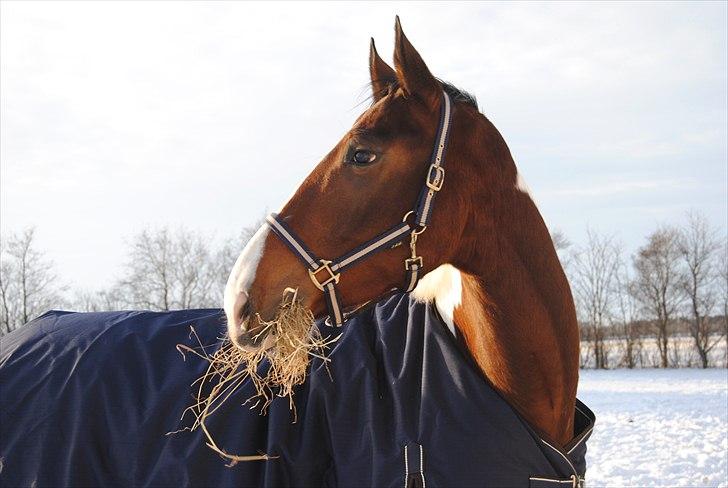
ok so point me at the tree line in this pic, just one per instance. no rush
(165, 269)
(664, 306)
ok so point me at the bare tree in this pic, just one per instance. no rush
(626, 311)
(723, 292)
(169, 270)
(594, 271)
(99, 301)
(7, 291)
(28, 285)
(699, 248)
(657, 283)
(176, 269)
(562, 244)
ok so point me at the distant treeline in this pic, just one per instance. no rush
(165, 269)
(664, 306)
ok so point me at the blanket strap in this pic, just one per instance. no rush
(543, 482)
(414, 466)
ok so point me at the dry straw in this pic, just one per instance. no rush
(295, 341)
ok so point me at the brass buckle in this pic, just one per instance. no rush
(325, 265)
(436, 183)
(410, 261)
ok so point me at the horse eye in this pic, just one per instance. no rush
(364, 157)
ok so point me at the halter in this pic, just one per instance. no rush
(325, 274)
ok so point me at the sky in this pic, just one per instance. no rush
(118, 116)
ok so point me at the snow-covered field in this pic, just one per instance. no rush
(657, 427)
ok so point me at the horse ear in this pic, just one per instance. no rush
(414, 76)
(381, 73)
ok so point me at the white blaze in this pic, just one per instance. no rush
(442, 285)
(243, 273)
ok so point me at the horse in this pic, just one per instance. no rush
(488, 261)
(457, 369)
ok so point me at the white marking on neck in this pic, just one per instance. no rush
(243, 273)
(442, 285)
(522, 186)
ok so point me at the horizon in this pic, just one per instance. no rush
(616, 124)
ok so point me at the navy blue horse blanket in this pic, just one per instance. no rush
(88, 398)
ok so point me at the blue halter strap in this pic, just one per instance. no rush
(325, 274)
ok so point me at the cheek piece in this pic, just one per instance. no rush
(325, 274)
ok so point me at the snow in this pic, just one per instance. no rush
(657, 427)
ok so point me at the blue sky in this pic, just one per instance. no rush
(116, 116)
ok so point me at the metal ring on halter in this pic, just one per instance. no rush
(415, 232)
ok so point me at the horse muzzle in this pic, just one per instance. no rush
(245, 329)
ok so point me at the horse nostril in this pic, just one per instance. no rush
(239, 311)
(244, 340)
(243, 313)
(244, 330)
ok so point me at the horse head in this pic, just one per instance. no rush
(369, 182)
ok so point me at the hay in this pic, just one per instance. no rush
(295, 341)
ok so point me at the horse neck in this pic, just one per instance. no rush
(516, 312)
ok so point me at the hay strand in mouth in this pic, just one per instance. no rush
(296, 340)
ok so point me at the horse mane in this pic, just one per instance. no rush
(458, 95)
(455, 93)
